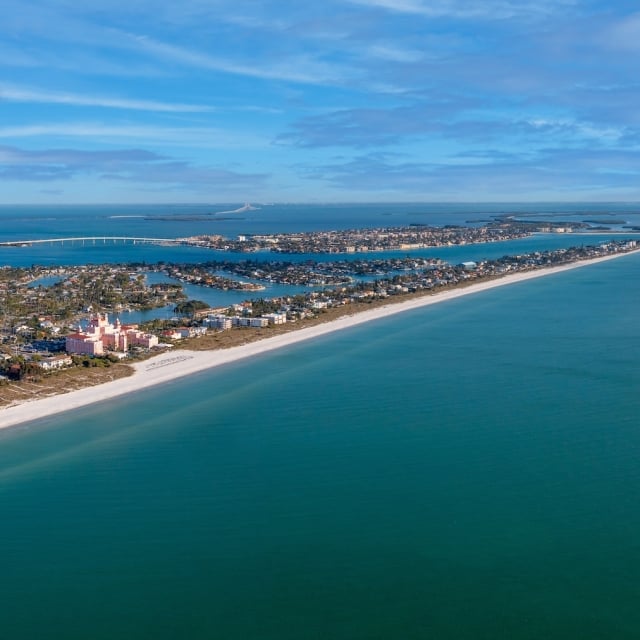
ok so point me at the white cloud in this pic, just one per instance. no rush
(196, 137)
(402, 6)
(120, 165)
(395, 54)
(19, 94)
(582, 129)
(467, 9)
(299, 69)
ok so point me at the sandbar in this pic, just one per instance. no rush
(168, 366)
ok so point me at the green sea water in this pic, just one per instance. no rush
(465, 471)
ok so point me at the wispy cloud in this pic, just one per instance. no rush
(184, 174)
(299, 68)
(24, 94)
(123, 165)
(552, 172)
(473, 91)
(63, 164)
(452, 118)
(468, 9)
(365, 127)
(197, 137)
(402, 6)
(394, 53)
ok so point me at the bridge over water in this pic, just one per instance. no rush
(93, 240)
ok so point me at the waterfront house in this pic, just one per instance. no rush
(218, 321)
(171, 334)
(256, 323)
(191, 332)
(276, 318)
(52, 363)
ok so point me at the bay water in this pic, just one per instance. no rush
(23, 223)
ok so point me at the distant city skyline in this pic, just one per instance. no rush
(339, 101)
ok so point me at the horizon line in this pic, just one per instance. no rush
(315, 202)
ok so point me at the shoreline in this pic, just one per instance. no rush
(169, 366)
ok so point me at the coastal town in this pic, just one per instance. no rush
(74, 321)
(415, 236)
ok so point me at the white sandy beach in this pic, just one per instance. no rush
(169, 366)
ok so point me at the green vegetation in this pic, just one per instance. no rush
(41, 312)
(190, 307)
(94, 361)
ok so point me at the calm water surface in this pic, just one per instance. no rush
(465, 471)
(173, 221)
(23, 223)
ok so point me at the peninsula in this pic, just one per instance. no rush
(167, 367)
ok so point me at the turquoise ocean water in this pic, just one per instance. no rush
(465, 471)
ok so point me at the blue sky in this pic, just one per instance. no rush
(340, 100)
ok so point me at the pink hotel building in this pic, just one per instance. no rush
(100, 336)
